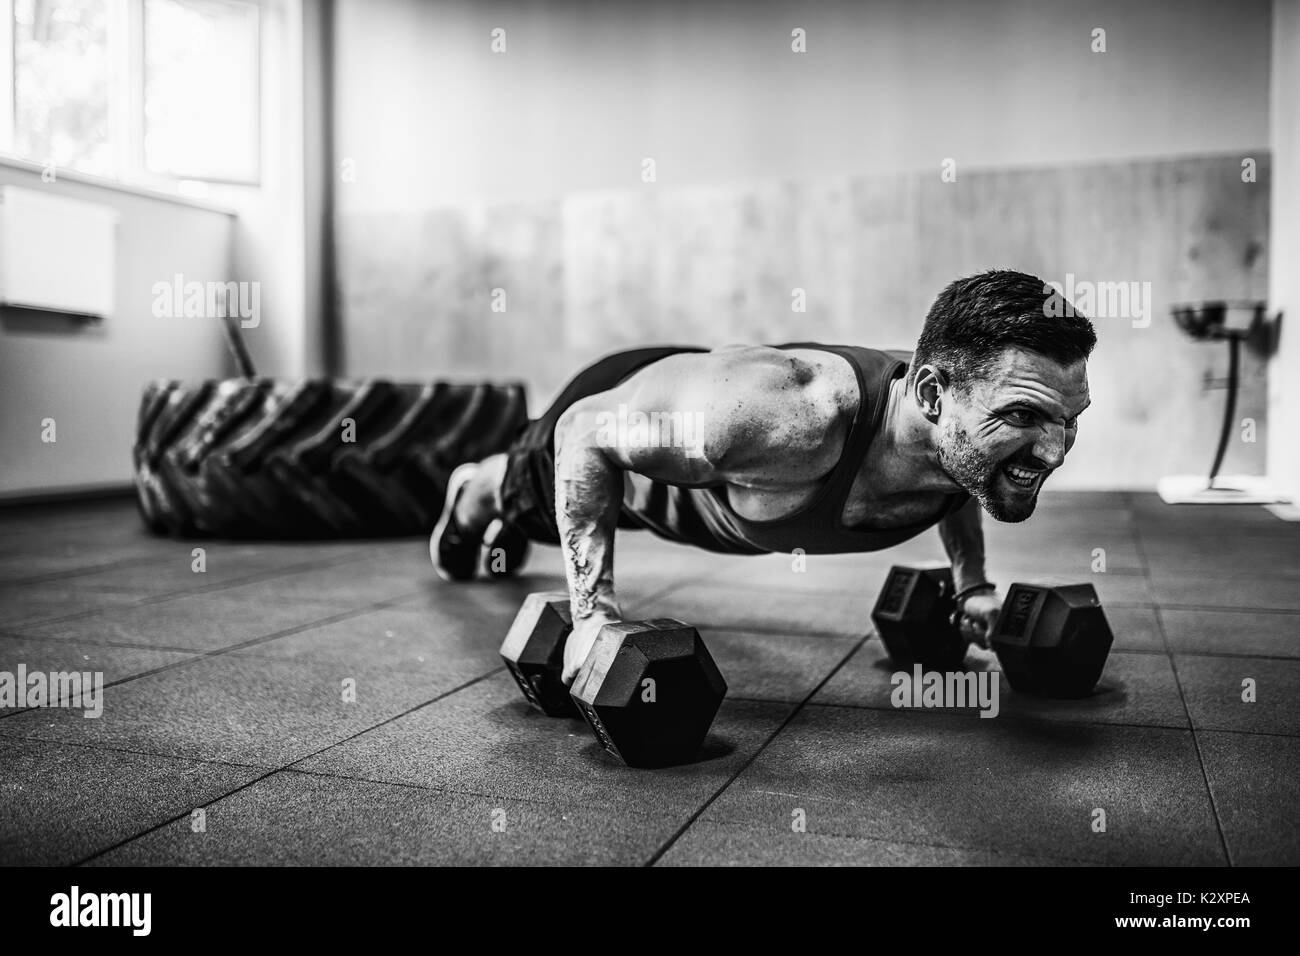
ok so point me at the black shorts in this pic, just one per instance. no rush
(528, 489)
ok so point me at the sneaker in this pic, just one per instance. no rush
(454, 552)
(505, 549)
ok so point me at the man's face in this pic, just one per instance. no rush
(1001, 438)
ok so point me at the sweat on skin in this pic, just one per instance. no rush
(779, 431)
(819, 448)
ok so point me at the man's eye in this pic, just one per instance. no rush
(1019, 416)
(1072, 423)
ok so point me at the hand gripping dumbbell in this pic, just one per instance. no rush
(649, 690)
(1051, 640)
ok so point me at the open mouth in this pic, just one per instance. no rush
(1022, 477)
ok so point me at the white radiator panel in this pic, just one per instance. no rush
(56, 253)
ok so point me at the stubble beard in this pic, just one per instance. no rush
(979, 475)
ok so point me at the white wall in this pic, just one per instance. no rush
(271, 230)
(88, 378)
(710, 89)
(271, 225)
(1284, 240)
(476, 170)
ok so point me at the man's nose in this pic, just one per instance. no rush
(1050, 446)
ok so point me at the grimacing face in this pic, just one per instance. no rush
(1000, 438)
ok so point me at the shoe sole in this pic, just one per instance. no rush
(490, 538)
(459, 478)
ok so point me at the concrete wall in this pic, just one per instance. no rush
(88, 378)
(470, 171)
(586, 89)
(596, 272)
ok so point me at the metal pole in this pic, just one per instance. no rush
(1234, 344)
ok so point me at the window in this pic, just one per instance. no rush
(200, 89)
(61, 81)
(154, 92)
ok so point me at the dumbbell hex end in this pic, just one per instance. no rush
(649, 690)
(1052, 640)
(533, 651)
(912, 614)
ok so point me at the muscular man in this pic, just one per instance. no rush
(758, 449)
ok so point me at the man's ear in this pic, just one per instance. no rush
(928, 390)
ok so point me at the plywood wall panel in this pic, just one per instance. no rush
(595, 272)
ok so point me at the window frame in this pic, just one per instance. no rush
(126, 105)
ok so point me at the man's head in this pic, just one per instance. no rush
(1000, 370)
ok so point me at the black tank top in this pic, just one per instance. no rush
(702, 516)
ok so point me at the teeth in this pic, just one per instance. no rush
(1021, 475)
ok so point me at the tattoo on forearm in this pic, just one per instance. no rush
(588, 493)
(587, 578)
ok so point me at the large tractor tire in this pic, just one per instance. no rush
(267, 458)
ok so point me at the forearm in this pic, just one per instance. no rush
(963, 538)
(588, 496)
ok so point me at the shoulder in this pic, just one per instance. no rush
(760, 415)
(763, 369)
(782, 411)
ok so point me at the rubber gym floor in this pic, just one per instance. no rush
(225, 694)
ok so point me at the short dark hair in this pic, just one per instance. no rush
(974, 319)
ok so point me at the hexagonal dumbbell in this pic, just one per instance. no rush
(912, 616)
(649, 690)
(1052, 640)
(534, 651)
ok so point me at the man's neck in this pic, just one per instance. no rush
(902, 458)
